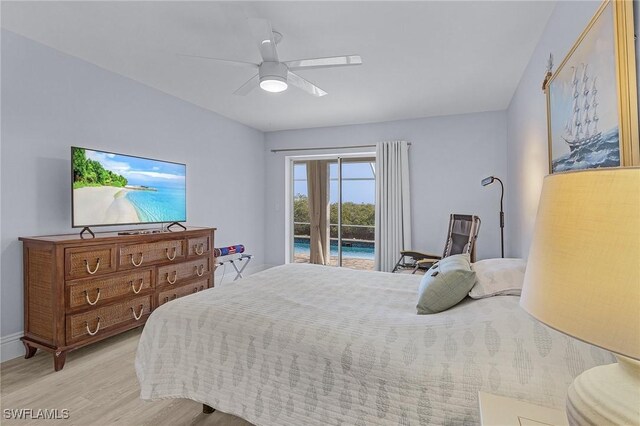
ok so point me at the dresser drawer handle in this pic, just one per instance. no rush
(86, 265)
(167, 299)
(139, 287)
(133, 262)
(86, 296)
(200, 270)
(92, 333)
(175, 252)
(175, 277)
(201, 247)
(137, 317)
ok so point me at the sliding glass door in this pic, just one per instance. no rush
(351, 212)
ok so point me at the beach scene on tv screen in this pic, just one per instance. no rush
(110, 189)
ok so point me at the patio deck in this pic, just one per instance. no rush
(347, 262)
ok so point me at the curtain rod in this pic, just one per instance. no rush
(326, 147)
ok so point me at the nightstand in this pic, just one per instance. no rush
(502, 411)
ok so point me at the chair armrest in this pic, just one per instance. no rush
(417, 255)
(422, 262)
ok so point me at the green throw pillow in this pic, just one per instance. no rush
(445, 284)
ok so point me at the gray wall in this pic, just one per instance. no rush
(51, 101)
(448, 158)
(527, 152)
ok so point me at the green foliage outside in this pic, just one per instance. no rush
(352, 214)
(88, 172)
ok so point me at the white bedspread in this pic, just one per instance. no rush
(310, 345)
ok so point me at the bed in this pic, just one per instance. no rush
(311, 345)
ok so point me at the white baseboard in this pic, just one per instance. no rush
(11, 347)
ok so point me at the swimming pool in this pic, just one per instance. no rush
(356, 250)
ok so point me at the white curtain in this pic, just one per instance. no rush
(393, 207)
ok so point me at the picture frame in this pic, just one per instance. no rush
(592, 100)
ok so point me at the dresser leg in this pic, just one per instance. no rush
(207, 409)
(59, 359)
(30, 351)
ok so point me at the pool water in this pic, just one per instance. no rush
(161, 205)
(359, 251)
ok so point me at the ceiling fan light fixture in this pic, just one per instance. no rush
(273, 84)
(273, 77)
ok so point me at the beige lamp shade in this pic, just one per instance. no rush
(583, 271)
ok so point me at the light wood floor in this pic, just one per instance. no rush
(98, 386)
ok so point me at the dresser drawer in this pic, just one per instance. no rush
(141, 255)
(184, 290)
(100, 321)
(199, 246)
(81, 262)
(97, 292)
(179, 273)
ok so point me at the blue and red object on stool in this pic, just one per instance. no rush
(232, 254)
(225, 251)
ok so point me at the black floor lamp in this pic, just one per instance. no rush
(488, 181)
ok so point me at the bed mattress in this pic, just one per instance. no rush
(303, 344)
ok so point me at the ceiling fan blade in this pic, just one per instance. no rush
(305, 85)
(227, 61)
(263, 36)
(247, 87)
(330, 62)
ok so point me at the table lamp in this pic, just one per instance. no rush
(583, 279)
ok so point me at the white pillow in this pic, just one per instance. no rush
(498, 277)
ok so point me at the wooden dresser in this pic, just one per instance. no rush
(79, 291)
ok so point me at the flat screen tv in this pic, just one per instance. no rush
(117, 189)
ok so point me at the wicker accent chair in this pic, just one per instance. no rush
(461, 238)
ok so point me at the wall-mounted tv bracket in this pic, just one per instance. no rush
(177, 224)
(86, 229)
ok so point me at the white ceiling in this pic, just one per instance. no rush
(420, 59)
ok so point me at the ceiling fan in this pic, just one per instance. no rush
(275, 76)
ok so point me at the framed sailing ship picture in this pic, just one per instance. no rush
(592, 108)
